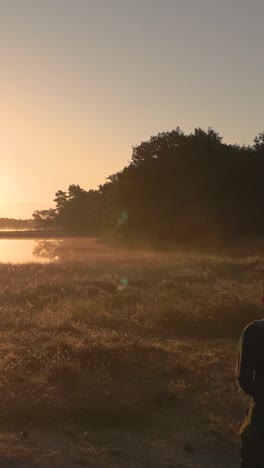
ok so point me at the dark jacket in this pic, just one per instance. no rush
(250, 370)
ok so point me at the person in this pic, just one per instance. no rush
(250, 378)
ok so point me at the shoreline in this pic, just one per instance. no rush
(40, 234)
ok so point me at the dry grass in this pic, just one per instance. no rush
(119, 340)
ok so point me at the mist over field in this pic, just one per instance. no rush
(121, 309)
(124, 353)
(131, 233)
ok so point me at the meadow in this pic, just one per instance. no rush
(129, 353)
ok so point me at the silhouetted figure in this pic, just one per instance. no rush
(250, 377)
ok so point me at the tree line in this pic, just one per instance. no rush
(176, 187)
(16, 224)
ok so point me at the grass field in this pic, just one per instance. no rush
(133, 350)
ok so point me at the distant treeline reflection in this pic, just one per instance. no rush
(176, 187)
(47, 249)
(67, 249)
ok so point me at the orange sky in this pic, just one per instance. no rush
(82, 81)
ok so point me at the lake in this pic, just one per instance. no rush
(27, 250)
(19, 250)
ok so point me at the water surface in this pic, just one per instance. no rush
(82, 249)
(27, 250)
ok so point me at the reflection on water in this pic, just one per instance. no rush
(30, 250)
(62, 250)
(51, 250)
(19, 251)
(46, 249)
(17, 229)
(40, 250)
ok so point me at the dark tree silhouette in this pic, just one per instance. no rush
(78, 210)
(44, 218)
(259, 142)
(177, 187)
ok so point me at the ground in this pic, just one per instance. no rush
(124, 358)
(185, 443)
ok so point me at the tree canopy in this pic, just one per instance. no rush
(176, 187)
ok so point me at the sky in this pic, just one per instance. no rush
(82, 81)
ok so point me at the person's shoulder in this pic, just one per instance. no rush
(259, 323)
(252, 327)
(259, 326)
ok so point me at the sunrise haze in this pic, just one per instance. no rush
(82, 81)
